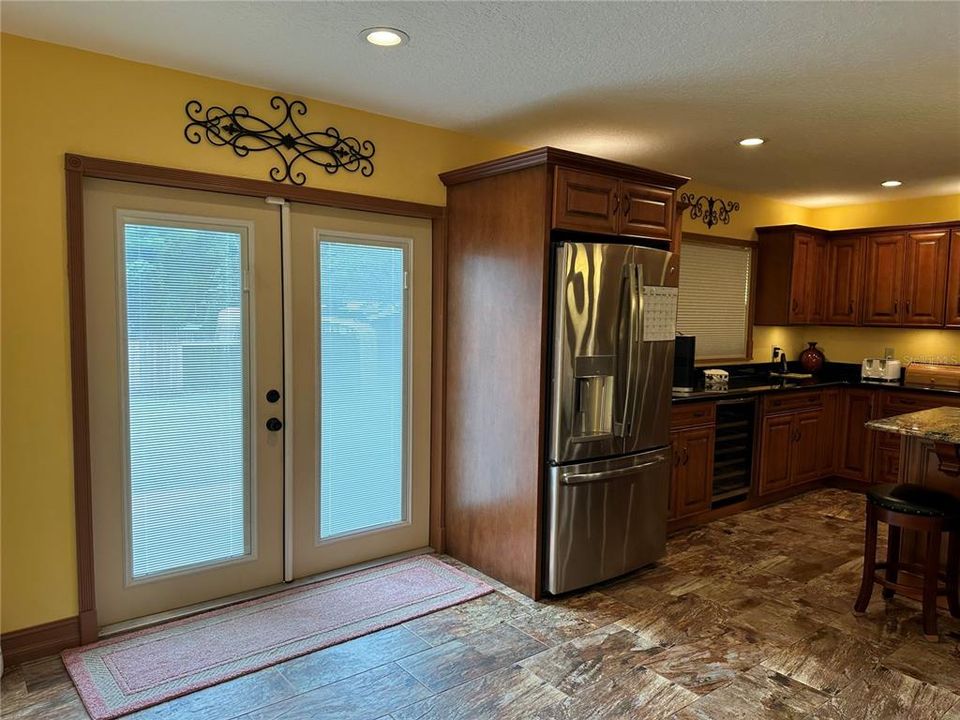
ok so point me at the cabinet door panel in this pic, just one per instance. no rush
(925, 277)
(844, 281)
(883, 279)
(816, 280)
(695, 486)
(585, 201)
(800, 294)
(953, 281)
(827, 444)
(646, 211)
(776, 448)
(886, 461)
(856, 444)
(806, 438)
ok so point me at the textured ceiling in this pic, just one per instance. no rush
(848, 94)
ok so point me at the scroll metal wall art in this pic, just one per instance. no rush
(246, 133)
(712, 210)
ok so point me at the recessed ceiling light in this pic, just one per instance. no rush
(385, 36)
(891, 183)
(751, 142)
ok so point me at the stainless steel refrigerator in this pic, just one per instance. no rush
(609, 461)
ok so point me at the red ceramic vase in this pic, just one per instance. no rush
(811, 359)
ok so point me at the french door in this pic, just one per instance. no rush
(361, 413)
(259, 392)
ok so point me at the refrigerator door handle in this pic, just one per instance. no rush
(624, 353)
(610, 474)
(633, 347)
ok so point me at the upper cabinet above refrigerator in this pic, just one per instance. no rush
(606, 204)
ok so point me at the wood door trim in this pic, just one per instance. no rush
(79, 167)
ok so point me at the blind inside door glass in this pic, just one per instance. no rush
(185, 316)
(362, 386)
(714, 298)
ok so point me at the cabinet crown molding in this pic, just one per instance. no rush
(551, 156)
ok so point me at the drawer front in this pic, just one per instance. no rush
(693, 414)
(788, 402)
(895, 403)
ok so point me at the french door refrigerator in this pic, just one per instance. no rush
(609, 461)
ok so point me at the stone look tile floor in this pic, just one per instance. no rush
(747, 617)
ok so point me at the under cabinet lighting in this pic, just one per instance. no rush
(385, 36)
(752, 142)
(891, 183)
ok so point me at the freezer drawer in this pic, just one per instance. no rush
(605, 518)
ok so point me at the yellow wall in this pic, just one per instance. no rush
(58, 100)
(892, 212)
(755, 211)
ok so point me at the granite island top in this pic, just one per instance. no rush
(939, 424)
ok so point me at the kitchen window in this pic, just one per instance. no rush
(715, 302)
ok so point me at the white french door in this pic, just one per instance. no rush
(361, 366)
(252, 420)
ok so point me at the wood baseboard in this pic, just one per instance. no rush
(39, 641)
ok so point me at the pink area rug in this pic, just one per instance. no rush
(134, 671)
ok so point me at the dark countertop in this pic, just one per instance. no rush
(754, 380)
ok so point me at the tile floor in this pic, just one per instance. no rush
(748, 617)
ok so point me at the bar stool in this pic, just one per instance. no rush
(927, 511)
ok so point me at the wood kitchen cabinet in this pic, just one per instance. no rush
(855, 441)
(827, 442)
(605, 204)
(844, 280)
(790, 271)
(776, 453)
(493, 308)
(952, 313)
(906, 278)
(693, 431)
(692, 487)
(791, 432)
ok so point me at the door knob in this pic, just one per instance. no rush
(273, 395)
(274, 424)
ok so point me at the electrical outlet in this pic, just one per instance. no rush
(777, 351)
(888, 353)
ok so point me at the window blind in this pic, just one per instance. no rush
(714, 297)
(363, 386)
(186, 396)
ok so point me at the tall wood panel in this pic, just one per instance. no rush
(497, 236)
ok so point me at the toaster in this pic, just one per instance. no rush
(880, 369)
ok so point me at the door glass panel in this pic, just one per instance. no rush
(362, 351)
(186, 374)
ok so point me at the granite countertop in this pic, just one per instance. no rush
(939, 424)
(759, 382)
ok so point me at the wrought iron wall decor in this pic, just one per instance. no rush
(712, 210)
(245, 133)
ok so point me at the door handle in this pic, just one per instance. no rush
(274, 424)
(609, 474)
(686, 456)
(626, 204)
(616, 203)
(273, 395)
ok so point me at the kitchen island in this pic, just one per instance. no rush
(930, 454)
